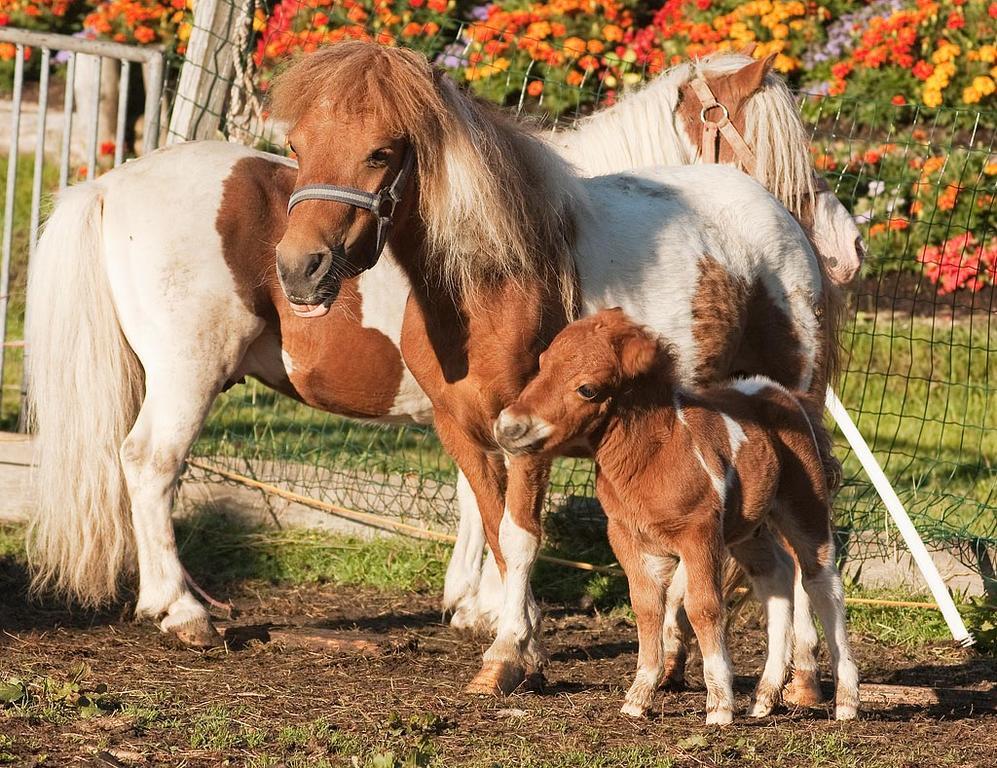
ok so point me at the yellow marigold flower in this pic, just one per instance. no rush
(970, 95)
(784, 63)
(796, 25)
(931, 97)
(993, 72)
(946, 52)
(984, 85)
(780, 31)
(988, 54)
(990, 169)
(538, 30)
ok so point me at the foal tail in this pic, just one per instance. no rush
(84, 389)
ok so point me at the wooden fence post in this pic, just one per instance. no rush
(206, 75)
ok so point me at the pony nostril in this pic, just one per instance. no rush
(314, 264)
(512, 429)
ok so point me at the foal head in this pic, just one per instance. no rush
(591, 366)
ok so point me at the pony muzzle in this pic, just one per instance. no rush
(310, 283)
(519, 433)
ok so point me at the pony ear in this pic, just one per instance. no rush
(638, 354)
(749, 79)
(749, 49)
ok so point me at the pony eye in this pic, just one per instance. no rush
(379, 158)
(586, 392)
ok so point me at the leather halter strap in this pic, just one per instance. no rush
(713, 129)
(382, 203)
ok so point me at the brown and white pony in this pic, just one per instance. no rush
(691, 473)
(502, 245)
(163, 270)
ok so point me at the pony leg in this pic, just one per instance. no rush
(460, 588)
(645, 574)
(804, 688)
(677, 632)
(517, 650)
(703, 558)
(771, 574)
(152, 457)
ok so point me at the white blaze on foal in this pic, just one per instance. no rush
(692, 474)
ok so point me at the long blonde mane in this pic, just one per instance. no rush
(643, 129)
(495, 199)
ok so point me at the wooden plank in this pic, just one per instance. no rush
(206, 75)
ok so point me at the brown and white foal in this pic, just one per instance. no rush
(692, 474)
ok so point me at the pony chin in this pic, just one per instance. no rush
(311, 310)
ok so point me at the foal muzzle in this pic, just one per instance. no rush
(382, 203)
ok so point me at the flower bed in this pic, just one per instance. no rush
(566, 56)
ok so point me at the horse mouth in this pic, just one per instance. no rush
(311, 310)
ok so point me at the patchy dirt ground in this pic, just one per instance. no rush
(100, 690)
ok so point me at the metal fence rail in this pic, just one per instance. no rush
(152, 61)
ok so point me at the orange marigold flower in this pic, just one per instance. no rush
(535, 88)
(574, 78)
(877, 229)
(898, 225)
(595, 46)
(612, 33)
(574, 46)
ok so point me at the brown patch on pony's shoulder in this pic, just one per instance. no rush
(718, 310)
(771, 346)
(251, 220)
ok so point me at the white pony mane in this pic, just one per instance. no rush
(643, 129)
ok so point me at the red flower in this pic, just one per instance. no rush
(992, 10)
(107, 148)
(898, 100)
(955, 21)
(922, 70)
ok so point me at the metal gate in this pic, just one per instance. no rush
(78, 53)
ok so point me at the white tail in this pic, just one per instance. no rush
(84, 389)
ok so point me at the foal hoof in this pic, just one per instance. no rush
(633, 710)
(198, 633)
(720, 717)
(497, 678)
(804, 691)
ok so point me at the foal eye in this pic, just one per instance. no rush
(379, 158)
(586, 392)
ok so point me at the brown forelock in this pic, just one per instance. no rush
(337, 365)
(518, 226)
(732, 90)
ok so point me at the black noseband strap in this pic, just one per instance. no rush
(382, 204)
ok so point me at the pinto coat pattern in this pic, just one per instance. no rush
(692, 474)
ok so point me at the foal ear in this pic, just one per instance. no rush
(749, 79)
(749, 49)
(638, 354)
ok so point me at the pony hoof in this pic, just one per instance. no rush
(198, 633)
(804, 691)
(720, 717)
(846, 712)
(633, 710)
(497, 678)
(763, 702)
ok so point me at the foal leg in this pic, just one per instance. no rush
(646, 576)
(771, 572)
(804, 688)
(677, 632)
(703, 555)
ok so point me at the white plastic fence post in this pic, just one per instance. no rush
(902, 519)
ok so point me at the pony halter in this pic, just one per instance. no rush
(382, 203)
(710, 147)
